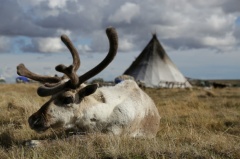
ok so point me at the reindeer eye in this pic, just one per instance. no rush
(67, 100)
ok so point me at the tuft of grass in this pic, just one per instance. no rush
(195, 123)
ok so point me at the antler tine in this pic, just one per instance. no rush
(23, 71)
(71, 70)
(44, 91)
(113, 42)
(73, 50)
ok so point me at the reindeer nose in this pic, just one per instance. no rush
(36, 121)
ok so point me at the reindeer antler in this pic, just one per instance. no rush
(23, 71)
(113, 45)
(58, 84)
(71, 70)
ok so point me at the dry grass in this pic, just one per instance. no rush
(195, 123)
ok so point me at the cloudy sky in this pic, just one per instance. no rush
(201, 37)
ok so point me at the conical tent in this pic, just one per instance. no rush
(154, 68)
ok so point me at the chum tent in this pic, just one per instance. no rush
(154, 68)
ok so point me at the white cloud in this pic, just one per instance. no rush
(56, 7)
(224, 43)
(49, 45)
(125, 45)
(51, 3)
(57, 3)
(83, 48)
(63, 31)
(126, 13)
(4, 43)
(220, 21)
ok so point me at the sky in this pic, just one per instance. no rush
(201, 37)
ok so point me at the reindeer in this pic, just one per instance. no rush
(123, 109)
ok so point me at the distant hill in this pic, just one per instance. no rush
(227, 82)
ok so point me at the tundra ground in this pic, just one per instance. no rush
(195, 123)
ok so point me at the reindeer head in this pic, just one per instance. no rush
(68, 91)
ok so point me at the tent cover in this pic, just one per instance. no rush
(154, 68)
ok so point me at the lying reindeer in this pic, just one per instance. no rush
(123, 109)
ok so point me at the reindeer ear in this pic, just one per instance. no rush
(88, 90)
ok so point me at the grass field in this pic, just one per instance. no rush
(195, 123)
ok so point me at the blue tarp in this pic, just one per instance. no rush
(23, 79)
